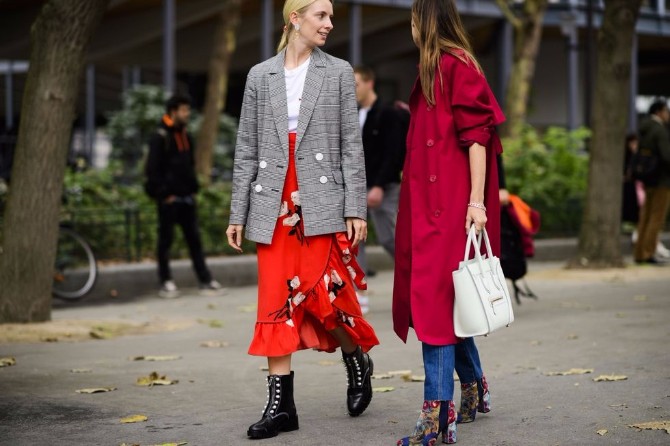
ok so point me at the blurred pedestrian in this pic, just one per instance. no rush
(383, 130)
(450, 182)
(630, 209)
(652, 165)
(299, 191)
(172, 182)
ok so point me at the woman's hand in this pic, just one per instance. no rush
(235, 233)
(476, 216)
(357, 230)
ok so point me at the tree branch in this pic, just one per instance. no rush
(508, 13)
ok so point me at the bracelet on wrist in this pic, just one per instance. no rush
(477, 205)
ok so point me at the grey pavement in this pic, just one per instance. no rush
(127, 280)
(613, 322)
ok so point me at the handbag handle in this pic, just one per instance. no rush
(476, 241)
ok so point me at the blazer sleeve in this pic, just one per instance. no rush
(475, 109)
(245, 166)
(351, 147)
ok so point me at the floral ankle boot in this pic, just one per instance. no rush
(469, 403)
(484, 405)
(436, 417)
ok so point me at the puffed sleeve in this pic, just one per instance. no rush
(475, 110)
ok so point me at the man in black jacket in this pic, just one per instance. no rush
(172, 182)
(384, 131)
(654, 144)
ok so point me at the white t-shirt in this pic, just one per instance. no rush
(363, 116)
(295, 83)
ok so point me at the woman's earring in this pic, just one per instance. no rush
(297, 27)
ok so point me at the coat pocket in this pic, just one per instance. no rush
(338, 177)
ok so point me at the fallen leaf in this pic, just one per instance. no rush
(155, 380)
(653, 425)
(549, 407)
(572, 337)
(156, 358)
(621, 315)
(212, 306)
(400, 372)
(213, 323)
(535, 343)
(619, 405)
(50, 339)
(603, 378)
(601, 432)
(383, 389)
(134, 419)
(7, 361)
(640, 298)
(382, 376)
(95, 334)
(570, 372)
(248, 308)
(81, 371)
(326, 363)
(96, 390)
(215, 344)
(113, 293)
(576, 384)
(414, 378)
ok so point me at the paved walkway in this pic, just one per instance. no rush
(611, 322)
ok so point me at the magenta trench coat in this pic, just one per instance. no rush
(434, 193)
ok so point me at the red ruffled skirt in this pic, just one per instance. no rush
(306, 285)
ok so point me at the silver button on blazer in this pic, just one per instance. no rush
(328, 146)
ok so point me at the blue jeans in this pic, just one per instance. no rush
(438, 362)
(468, 365)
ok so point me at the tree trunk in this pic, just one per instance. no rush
(59, 38)
(600, 236)
(527, 38)
(217, 87)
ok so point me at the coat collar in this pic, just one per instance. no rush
(277, 83)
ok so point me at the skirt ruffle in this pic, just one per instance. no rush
(330, 303)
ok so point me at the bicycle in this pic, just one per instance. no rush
(76, 269)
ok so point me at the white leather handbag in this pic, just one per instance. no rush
(482, 303)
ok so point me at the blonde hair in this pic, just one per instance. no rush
(298, 6)
(440, 30)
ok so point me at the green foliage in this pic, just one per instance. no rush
(143, 107)
(550, 172)
(120, 221)
(129, 128)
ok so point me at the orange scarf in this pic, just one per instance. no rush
(180, 137)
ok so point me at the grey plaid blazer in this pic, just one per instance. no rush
(329, 152)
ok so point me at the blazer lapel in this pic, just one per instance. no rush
(277, 84)
(313, 82)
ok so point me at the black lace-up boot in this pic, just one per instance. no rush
(359, 377)
(279, 414)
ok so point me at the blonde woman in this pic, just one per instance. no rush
(449, 183)
(299, 191)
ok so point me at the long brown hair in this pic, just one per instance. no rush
(440, 30)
